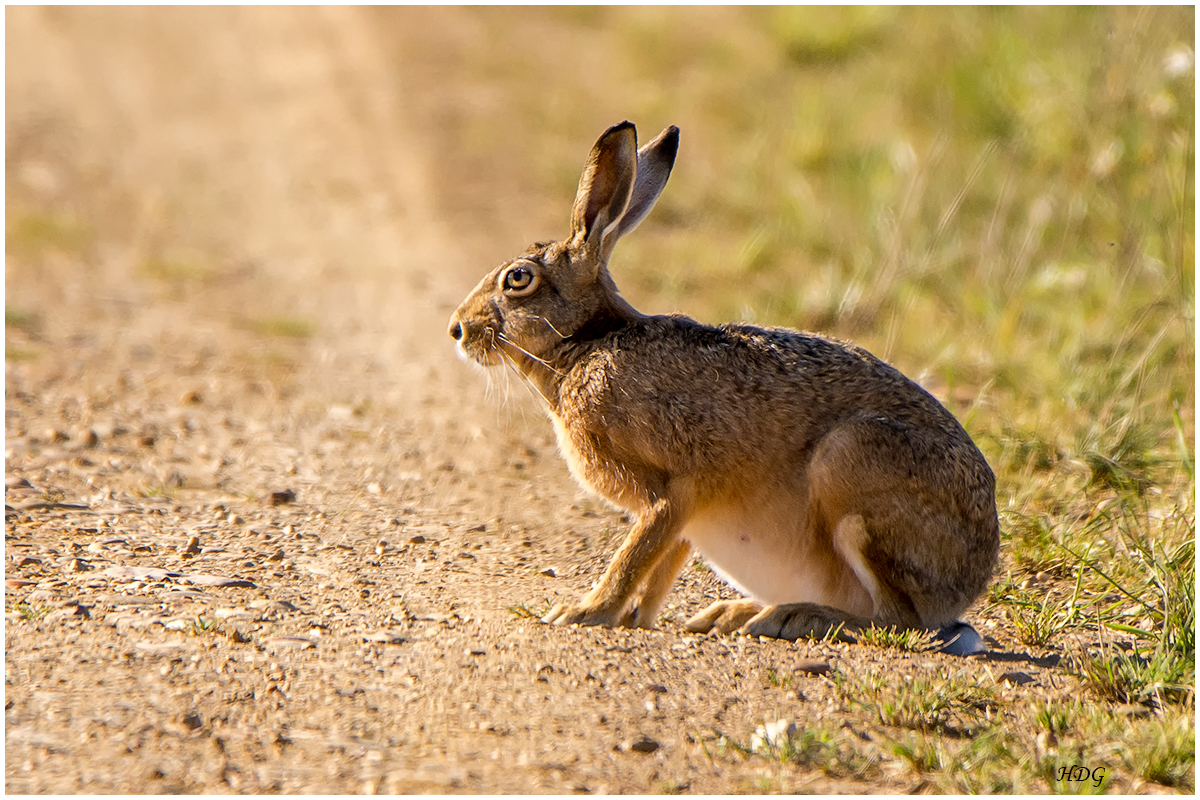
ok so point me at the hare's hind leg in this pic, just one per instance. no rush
(793, 621)
(724, 616)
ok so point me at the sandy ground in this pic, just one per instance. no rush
(264, 532)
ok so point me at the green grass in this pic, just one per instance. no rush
(910, 640)
(29, 612)
(286, 327)
(35, 235)
(1001, 202)
(26, 321)
(14, 353)
(998, 756)
(523, 611)
(174, 271)
(941, 702)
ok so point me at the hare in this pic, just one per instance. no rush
(816, 479)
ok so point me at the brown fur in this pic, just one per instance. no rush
(817, 477)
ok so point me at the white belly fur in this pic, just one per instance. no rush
(768, 554)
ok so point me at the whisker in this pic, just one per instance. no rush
(524, 379)
(507, 359)
(551, 326)
(541, 361)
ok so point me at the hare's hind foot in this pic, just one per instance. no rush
(809, 620)
(960, 639)
(723, 616)
(794, 621)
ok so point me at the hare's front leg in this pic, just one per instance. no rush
(656, 530)
(643, 612)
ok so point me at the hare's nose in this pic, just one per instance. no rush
(456, 328)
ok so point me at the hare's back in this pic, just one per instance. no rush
(775, 371)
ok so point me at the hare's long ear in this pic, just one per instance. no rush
(654, 163)
(605, 187)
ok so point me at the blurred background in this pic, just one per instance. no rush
(999, 200)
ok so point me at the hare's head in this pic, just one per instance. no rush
(528, 308)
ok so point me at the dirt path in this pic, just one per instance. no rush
(228, 278)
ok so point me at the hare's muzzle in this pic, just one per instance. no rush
(471, 340)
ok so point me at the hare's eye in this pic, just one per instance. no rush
(519, 280)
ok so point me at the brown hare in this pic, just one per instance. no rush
(819, 481)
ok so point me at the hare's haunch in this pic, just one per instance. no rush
(832, 490)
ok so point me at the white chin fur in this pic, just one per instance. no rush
(470, 359)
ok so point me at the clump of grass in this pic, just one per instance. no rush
(672, 786)
(523, 611)
(202, 626)
(1053, 719)
(922, 703)
(1153, 600)
(30, 612)
(172, 270)
(1036, 619)
(28, 322)
(286, 327)
(1022, 752)
(777, 680)
(15, 353)
(33, 234)
(1165, 752)
(910, 640)
(832, 751)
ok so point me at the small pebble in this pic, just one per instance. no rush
(644, 745)
(236, 614)
(813, 666)
(280, 498)
(1017, 678)
(297, 642)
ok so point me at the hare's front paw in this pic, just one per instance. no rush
(582, 613)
